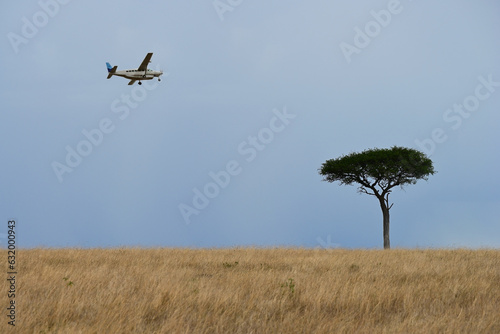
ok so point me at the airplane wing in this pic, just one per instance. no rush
(132, 82)
(145, 62)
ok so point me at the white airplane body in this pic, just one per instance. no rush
(141, 73)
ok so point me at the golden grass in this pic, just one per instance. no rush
(249, 290)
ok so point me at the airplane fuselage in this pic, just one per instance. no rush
(138, 75)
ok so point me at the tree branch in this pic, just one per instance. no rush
(363, 190)
(386, 199)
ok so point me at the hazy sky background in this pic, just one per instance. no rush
(229, 70)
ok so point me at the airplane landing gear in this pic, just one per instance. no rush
(140, 83)
(159, 79)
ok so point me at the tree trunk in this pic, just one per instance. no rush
(387, 242)
(385, 213)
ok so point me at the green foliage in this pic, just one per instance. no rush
(69, 283)
(230, 265)
(289, 286)
(378, 170)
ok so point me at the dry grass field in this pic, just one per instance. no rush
(249, 290)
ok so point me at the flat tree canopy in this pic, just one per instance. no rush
(377, 171)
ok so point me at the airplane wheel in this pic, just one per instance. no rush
(140, 83)
(159, 79)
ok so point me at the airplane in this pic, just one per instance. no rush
(142, 73)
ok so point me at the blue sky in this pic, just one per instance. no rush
(256, 95)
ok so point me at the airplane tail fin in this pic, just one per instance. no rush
(111, 70)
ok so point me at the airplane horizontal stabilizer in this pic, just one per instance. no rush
(112, 71)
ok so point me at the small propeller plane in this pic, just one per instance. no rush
(142, 73)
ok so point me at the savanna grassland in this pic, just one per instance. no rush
(248, 290)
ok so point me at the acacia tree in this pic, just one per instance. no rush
(377, 171)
